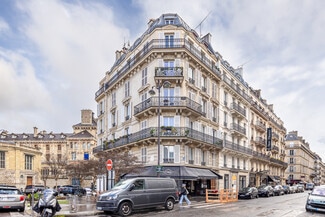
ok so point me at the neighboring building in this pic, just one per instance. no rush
(75, 146)
(212, 131)
(303, 163)
(19, 164)
(318, 176)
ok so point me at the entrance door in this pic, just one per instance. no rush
(29, 180)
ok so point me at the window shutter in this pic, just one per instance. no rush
(177, 154)
(177, 120)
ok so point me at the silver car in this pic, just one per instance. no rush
(12, 198)
(316, 199)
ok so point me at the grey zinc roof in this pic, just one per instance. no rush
(82, 134)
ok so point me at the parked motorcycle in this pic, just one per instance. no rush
(47, 205)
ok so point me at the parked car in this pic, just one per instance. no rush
(265, 191)
(310, 186)
(30, 188)
(294, 188)
(12, 198)
(138, 193)
(90, 192)
(316, 199)
(287, 189)
(300, 188)
(278, 190)
(73, 189)
(248, 192)
(58, 188)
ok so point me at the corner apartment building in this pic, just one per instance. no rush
(76, 146)
(172, 90)
(304, 165)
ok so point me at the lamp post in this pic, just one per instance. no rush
(152, 92)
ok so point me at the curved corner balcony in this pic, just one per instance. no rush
(166, 133)
(182, 105)
(172, 74)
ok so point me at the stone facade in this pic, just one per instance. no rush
(76, 146)
(304, 164)
(210, 117)
(19, 164)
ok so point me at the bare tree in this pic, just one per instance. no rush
(78, 170)
(45, 174)
(123, 162)
(56, 165)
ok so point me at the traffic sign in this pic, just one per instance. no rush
(109, 164)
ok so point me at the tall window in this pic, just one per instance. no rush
(127, 88)
(291, 160)
(59, 147)
(204, 106)
(169, 64)
(28, 162)
(168, 121)
(238, 163)
(113, 99)
(226, 99)
(169, 154)
(144, 76)
(191, 75)
(226, 181)
(113, 119)
(47, 147)
(73, 156)
(225, 161)
(144, 155)
(47, 157)
(169, 21)
(291, 152)
(169, 40)
(191, 154)
(214, 90)
(2, 159)
(127, 111)
(59, 157)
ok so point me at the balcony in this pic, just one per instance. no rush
(275, 149)
(259, 126)
(168, 160)
(261, 156)
(182, 104)
(167, 134)
(260, 142)
(237, 110)
(275, 136)
(173, 74)
(234, 88)
(259, 110)
(158, 45)
(237, 130)
(279, 162)
(237, 148)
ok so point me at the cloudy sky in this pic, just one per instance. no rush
(54, 53)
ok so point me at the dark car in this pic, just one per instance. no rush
(316, 199)
(248, 192)
(33, 188)
(287, 189)
(72, 189)
(265, 191)
(278, 190)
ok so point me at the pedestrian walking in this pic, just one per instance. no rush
(183, 194)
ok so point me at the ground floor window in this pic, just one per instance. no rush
(242, 182)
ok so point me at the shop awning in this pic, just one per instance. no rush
(273, 178)
(176, 172)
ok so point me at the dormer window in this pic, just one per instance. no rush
(169, 21)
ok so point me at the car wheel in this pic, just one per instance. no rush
(125, 209)
(256, 195)
(22, 209)
(169, 205)
(267, 195)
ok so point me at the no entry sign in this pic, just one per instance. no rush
(109, 164)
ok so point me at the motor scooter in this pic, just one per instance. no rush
(47, 205)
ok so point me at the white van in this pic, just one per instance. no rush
(139, 193)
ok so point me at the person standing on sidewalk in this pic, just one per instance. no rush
(183, 194)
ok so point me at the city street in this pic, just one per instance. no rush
(292, 205)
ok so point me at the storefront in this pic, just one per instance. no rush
(196, 179)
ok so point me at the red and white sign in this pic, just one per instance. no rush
(109, 164)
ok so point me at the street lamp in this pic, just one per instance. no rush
(152, 92)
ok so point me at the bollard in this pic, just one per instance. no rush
(73, 204)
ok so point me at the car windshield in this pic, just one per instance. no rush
(245, 189)
(262, 187)
(318, 192)
(123, 184)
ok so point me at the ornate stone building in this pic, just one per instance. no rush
(19, 164)
(174, 102)
(76, 146)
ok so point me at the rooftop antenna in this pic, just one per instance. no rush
(241, 66)
(200, 24)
